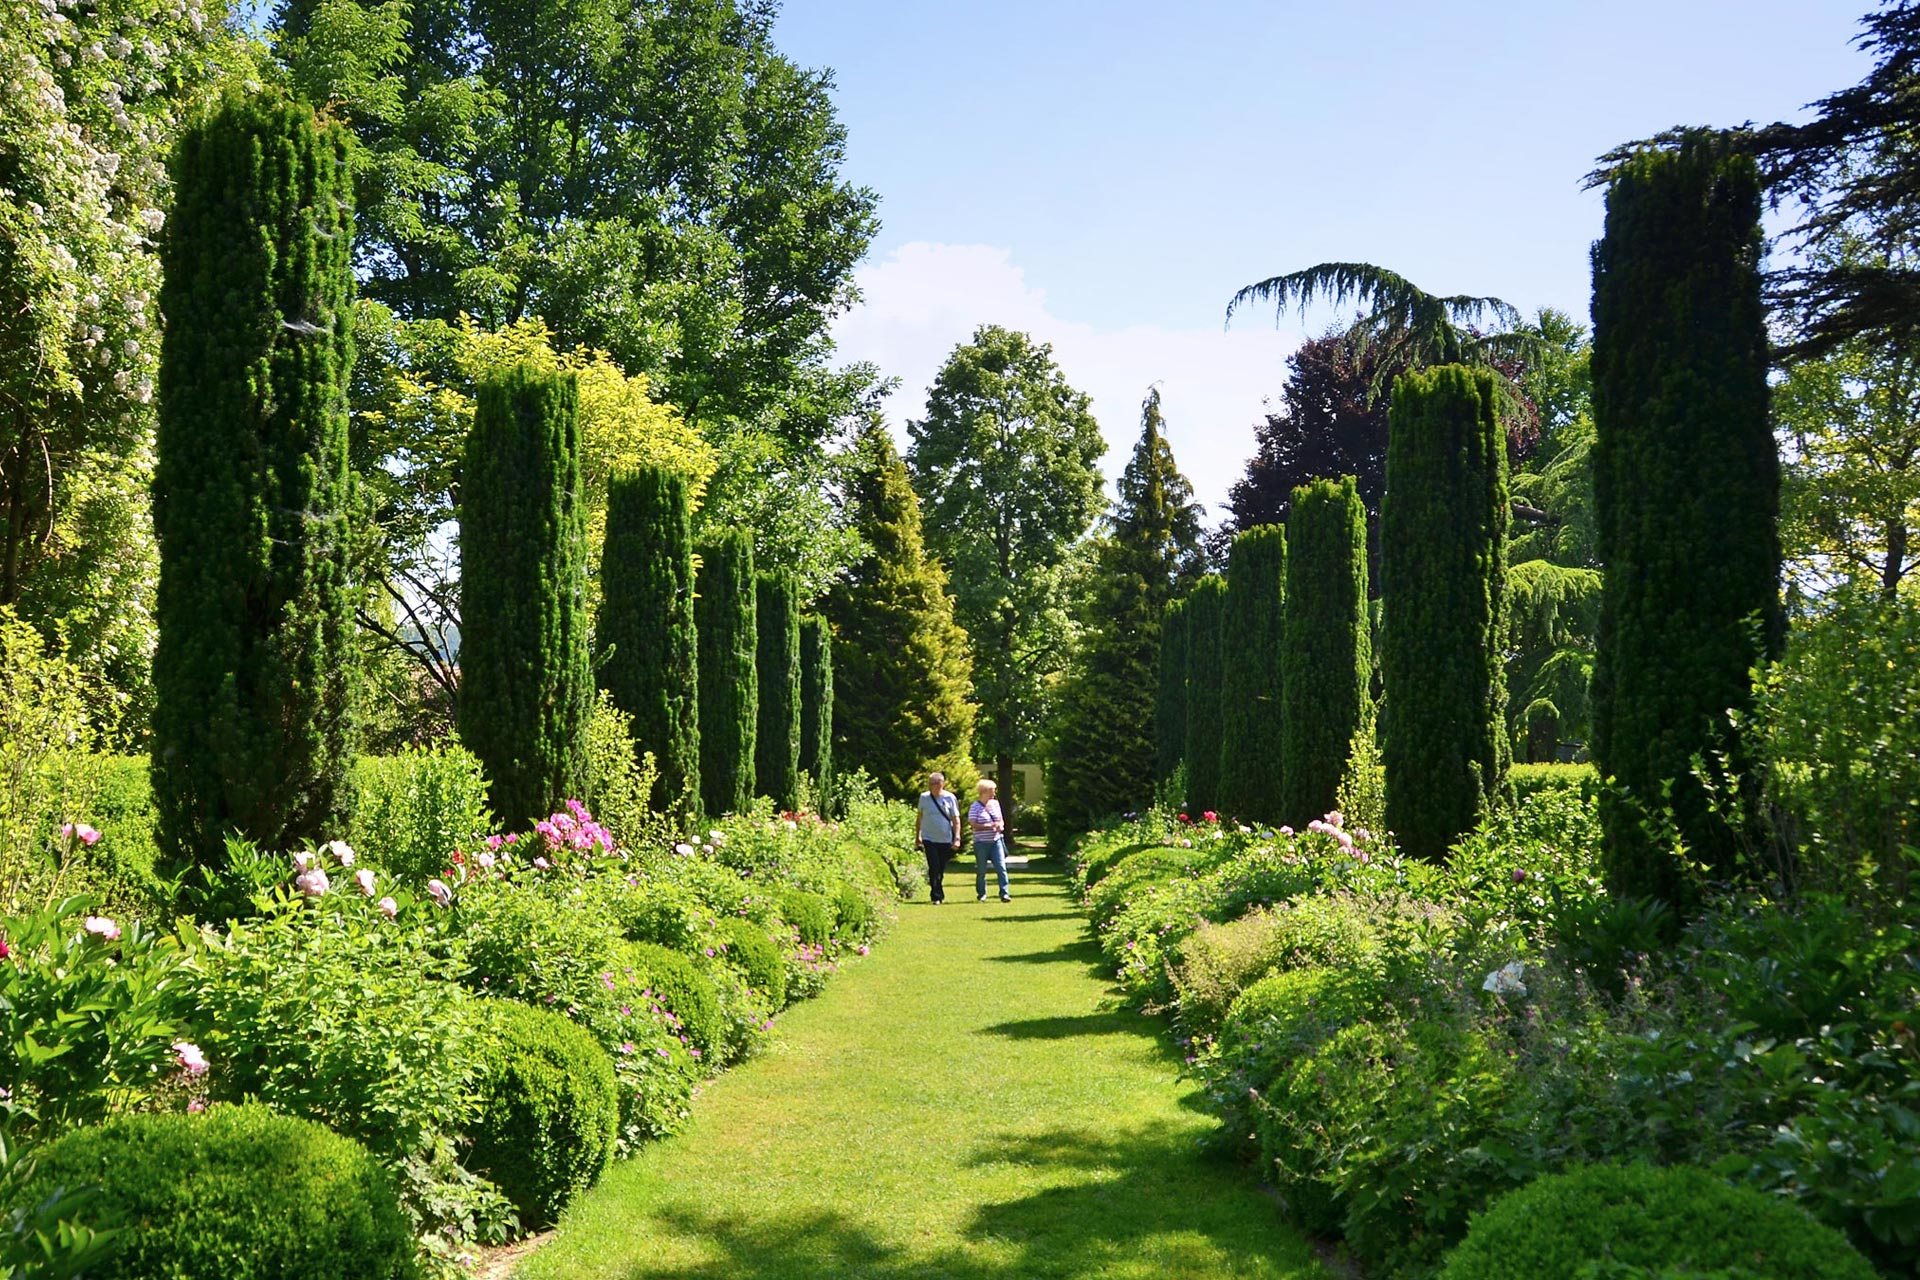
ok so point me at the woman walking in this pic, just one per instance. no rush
(989, 840)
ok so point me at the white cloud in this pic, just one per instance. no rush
(924, 299)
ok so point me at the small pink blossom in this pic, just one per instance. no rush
(684, 849)
(188, 1055)
(387, 907)
(542, 863)
(80, 831)
(486, 860)
(197, 1106)
(1286, 831)
(862, 948)
(513, 837)
(101, 927)
(438, 891)
(626, 1046)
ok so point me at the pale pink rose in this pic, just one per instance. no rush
(101, 927)
(438, 891)
(188, 1055)
(364, 878)
(388, 907)
(312, 883)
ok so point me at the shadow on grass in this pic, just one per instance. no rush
(1031, 916)
(1142, 1205)
(1065, 1028)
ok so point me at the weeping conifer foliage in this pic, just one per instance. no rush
(1326, 653)
(1251, 730)
(1687, 493)
(251, 488)
(526, 683)
(1443, 737)
(1170, 706)
(816, 708)
(725, 612)
(647, 649)
(777, 740)
(1206, 623)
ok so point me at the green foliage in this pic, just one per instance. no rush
(647, 645)
(853, 913)
(1327, 658)
(1552, 617)
(724, 612)
(810, 914)
(252, 493)
(757, 957)
(1687, 483)
(1206, 617)
(1251, 676)
(816, 711)
(239, 1192)
(777, 666)
(616, 786)
(548, 1113)
(1103, 747)
(687, 992)
(87, 1020)
(1638, 1216)
(1006, 462)
(1443, 562)
(1528, 780)
(412, 811)
(526, 685)
(1170, 705)
(1362, 797)
(1838, 721)
(902, 673)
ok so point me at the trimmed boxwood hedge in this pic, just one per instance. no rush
(853, 910)
(1680, 1219)
(240, 1192)
(811, 913)
(549, 1110)
(1532, 779)
(758, 959)
(688, 994)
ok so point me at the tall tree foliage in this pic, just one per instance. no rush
(653, 179)
(777, 740)
(1443, 735)
(1206, 619)
(816, 707)
(1103, 738)
(1687, 482)
(902, 673)
(1326, 653)
(252, 494)
(647, 648)
(526, 681)
(726, 618)
(1170, 703)
(1250, 734)
(1006, 462)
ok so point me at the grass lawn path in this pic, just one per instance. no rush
(965, 1102)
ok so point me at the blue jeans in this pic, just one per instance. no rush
(985, 855)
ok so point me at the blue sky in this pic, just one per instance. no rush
(1107, 174)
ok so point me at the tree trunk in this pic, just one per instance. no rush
(1895, 567)
(1003, 774)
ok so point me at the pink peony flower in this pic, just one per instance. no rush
(80, 831)
(486, 860)
(197, 1106)
(1286, 831)
(101, 927)
(5, 950)
(342, 852)
(312, 883)
(388, 907)
(438, 891)
(188, 1055)
(303, 860)
(364, 878)
(542, 863)
(1209, 816)
(493, 842)
(684, 849)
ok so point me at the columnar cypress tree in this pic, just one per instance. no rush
(1170, 707)
(1206, 621)
(251, 487)
(902, 674)
(1686, 487)
(649, 660)
(724, 614)
(1251, 686)
(1443, 528)
(777, 740)
(526, 683)
(1326, 655)
(816, 707)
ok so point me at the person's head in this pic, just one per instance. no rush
(936, 782)
(986, 787)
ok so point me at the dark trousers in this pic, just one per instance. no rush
(938, 853)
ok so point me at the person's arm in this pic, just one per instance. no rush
(918, 818)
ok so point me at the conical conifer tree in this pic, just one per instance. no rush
(526, 682)
(1443, 527)
(1687, 490)
(1250, 735)
(1327, 659)
(816, 709)
(648, 650)
(777, 742)
(902, 675)
(1103, 738)
(1206, 647)
(251, 489)
(725, 614)
(1170, 707)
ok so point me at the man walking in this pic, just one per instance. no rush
(936, 826)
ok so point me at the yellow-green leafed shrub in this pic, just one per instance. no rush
(413, 810)
(549, 1110)
(1634, 1220)
(239, 1192)
(1532, 779)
